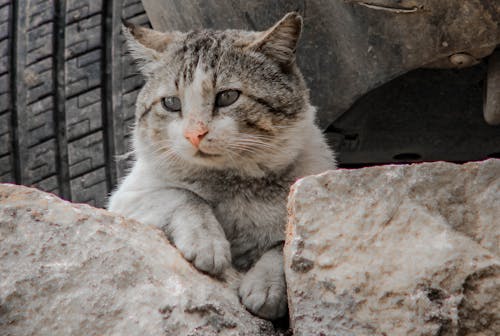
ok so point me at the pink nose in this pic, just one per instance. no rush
(195, 136)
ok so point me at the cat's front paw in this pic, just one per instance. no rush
(208, 254)
(263, 292)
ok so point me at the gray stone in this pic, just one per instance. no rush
(70, 269)
(396, 250)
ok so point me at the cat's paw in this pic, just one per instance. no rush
(263, 292)
(208, 254)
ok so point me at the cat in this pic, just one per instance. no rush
(223, 128)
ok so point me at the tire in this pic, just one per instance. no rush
(67, 95)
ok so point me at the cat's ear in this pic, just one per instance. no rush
(280, 41)
(145, 45)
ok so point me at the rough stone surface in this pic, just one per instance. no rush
(70, 269)
(396, 250)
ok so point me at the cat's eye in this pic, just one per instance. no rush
(226, 98)
(171, 104)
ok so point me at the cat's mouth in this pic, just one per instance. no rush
(202, 154)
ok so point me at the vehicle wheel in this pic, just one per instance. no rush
(67, 95)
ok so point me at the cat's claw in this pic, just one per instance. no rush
(212, 256)
(264, 293)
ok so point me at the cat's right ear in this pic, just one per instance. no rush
(145, 45)
(280, 41)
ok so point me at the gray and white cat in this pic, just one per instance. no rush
(223, 128)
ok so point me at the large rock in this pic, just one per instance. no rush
(396, 250)
(70, 269)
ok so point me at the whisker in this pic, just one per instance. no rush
(230, 156)
(246, 150)
(168, 157)
(255, 136)
(256, 144)
(255, 149)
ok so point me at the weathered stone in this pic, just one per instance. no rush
(396, 250)
(70, 269)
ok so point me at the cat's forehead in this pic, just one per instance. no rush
(212, 41)
(201, 49)
(204, 49)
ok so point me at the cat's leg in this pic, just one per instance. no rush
(187, 220)
(200, 238)
(263, 287)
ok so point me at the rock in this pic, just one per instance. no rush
(396, 250)
(69, 269)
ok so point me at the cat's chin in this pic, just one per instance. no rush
(204, 159)
(196, 158)
(221, 162)
(205, 155)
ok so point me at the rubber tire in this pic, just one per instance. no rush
(67, 95)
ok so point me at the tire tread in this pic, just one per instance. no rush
(62, 119)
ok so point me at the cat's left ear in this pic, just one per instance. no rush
(145, 45)
(280, 41)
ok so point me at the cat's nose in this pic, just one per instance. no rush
(195, 136)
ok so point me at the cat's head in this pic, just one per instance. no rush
(221, 99)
